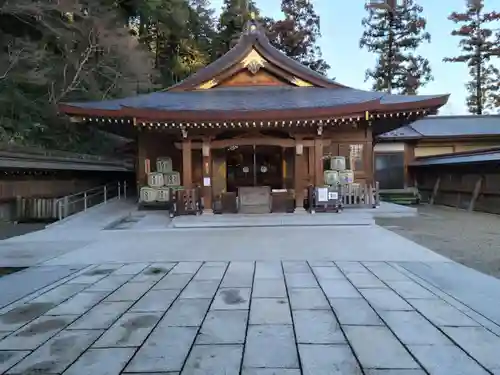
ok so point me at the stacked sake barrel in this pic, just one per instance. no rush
(338, 174)
(161, 183)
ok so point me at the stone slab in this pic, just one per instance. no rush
(410, 289)
(210, 273)
(351, 267)
(271, 346)
(165, 350)
(270, 311)
(10, 358)
(317, 327)
(109, 283)
(268, 270)
(480, 343)
(270, 371)
(338, 289)
(413, 329)
(232, 299)
(130, 269)
(446, 359)
(155, 300)
(385, 299)
(394, 372)
(376, 347)
(214, 359)
(60, 293)
(308, 299)
(20, 284)
(354, 311)
(109, 361)
(442, 314)
(129, 331)
(328, 360)
(274, 288)
(300, 280)
(385, 272)
(186, 267)
(472, 288)
(173, 281)
(331, 272)
(243, 280)
(101, 316)
(34, 334)
(296, 267)
(79, 304)
(200, 289)
(57, 354)
(186, 313)
(365, 280)
(129, 292)
(23, 314)
(223, 327)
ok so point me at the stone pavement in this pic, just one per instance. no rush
(243, 317)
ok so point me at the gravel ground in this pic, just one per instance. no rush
(472, 239)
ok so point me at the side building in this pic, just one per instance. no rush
(453, 160)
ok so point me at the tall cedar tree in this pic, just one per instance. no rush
(479, 47)
(235, 14)
(298, 33)
(395, 35)
(179, 33)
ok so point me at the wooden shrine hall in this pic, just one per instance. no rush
(255, 118)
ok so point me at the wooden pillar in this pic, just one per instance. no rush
(311, 165)
(318, 162)
(207, 176)
(187, 165)
(435, 190)
(475, 193)
(298, 175)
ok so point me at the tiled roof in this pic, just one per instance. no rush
(447, 126)
(246, 99)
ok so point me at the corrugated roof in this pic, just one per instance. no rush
(472, 157)
(448, 126)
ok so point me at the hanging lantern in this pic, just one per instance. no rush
(299, 148)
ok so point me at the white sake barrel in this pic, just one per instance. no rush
(148, 194)
(155, 179)
(172, 179)
(163, 195)
(346, 177)
(337, 163)
(331, 178)
(164, 164)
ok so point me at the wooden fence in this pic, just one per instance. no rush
(472, 188)
(360, 195)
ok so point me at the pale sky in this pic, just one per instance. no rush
(341, 29)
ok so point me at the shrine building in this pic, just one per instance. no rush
(255, 118)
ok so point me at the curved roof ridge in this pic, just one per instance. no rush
(254, 37)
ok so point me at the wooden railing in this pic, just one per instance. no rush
(360, 195)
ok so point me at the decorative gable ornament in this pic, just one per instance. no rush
(253, 61)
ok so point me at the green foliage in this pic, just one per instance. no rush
(57, 51)
(394, 35)
(297, 35)
(479, 47)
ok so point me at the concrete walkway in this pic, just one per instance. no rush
(148, 299)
